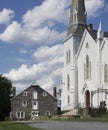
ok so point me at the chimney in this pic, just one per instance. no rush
(90, 27)
(54, 92)
(13, 92)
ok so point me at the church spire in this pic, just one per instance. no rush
(77, 22)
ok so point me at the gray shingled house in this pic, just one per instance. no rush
(33, 102)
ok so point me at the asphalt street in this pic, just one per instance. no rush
(60, 125)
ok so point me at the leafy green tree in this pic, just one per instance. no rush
(5, 89)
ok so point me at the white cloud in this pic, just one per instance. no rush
(47, 73)
(49, 12)
(6, 15)
(40, 24)
(15, 33)
(36, 27)
(93, 7)
(47, 53)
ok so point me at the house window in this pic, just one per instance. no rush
(34, 95)
(68, 82)
(20, 115)
(35, 105)
(105, 73)
(87, 69)
(24, 103)
(47, 113)
(34, 113)
(24, 93)
(44, 94)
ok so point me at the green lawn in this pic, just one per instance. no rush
(15, 126)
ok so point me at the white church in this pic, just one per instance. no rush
(85, 72)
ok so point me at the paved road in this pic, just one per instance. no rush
(55, 125)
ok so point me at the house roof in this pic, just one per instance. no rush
(34, 85)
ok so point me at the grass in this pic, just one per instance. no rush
(15, 126)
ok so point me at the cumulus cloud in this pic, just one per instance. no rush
(47, 72)
(40, 24)
(47, 53)
(49, 12)
(15, 33)
(6, 16)
(37, 23)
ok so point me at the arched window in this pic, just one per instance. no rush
(69, 56)
(68, 82)
(66, 57)
(87, 69)
(87, 45)
(105, 73)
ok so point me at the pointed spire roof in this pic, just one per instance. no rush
(100, 32)
(100, 26)
(77, 22)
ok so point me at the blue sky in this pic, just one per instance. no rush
(31, 34)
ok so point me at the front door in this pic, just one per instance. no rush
(87, 98)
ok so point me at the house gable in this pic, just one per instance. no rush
(85, 38)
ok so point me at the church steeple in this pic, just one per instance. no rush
(77, 22)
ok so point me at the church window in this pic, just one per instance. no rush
(66, 57)
(68, 98)
(105, 73)
(68, 82)
(87, 45)
(87, 69)
(84, 71)
(69, 56)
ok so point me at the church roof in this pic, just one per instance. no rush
(93, 33)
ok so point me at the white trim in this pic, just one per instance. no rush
(34, 113)
(20, 114)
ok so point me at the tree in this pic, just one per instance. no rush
(5, 89)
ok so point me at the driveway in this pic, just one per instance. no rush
(60, 125)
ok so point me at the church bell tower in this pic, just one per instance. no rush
(77, 21)
(77, 25)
